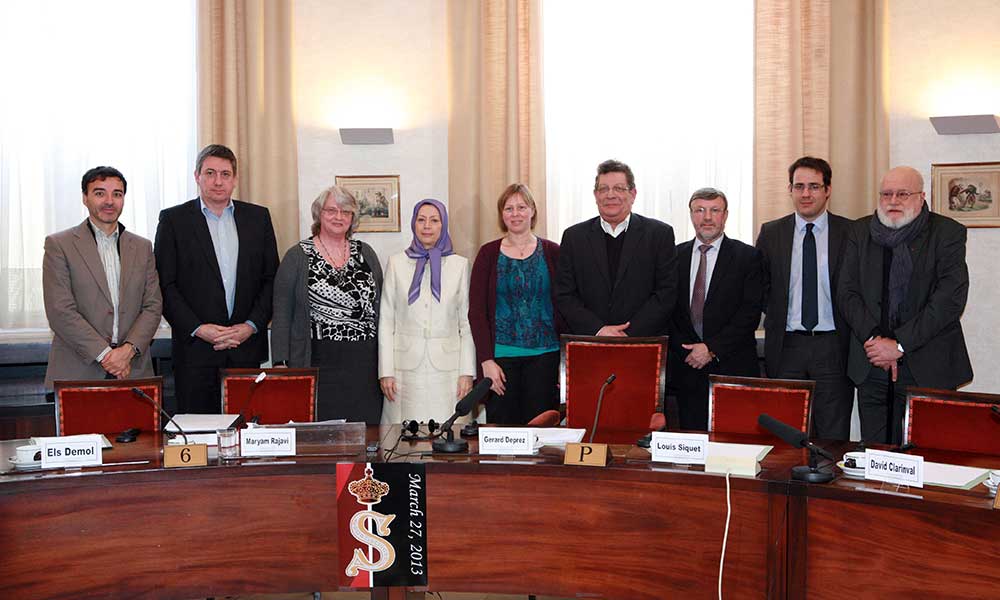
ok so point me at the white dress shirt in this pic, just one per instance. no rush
(821, 231)
(616, 231)
(711, 255)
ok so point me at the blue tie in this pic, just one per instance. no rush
(810, 299)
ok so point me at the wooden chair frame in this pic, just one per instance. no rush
(156, 383)
(920, 394)
(283, 373)
(763, 384)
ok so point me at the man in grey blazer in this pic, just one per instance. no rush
(902, 290)
(805, 335)
(101, 290)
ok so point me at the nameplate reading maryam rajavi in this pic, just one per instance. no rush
(894, 467)
(265, 441)
(73, 451)
(683, 448)
(506, 440)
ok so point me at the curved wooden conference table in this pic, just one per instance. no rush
(632, 530)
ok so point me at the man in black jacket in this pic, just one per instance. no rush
(717, 311)
(616, 273)
(216, 258)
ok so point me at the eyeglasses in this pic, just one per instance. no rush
(618, 189)
(701, 210)
(887, 195)
(336, 212)
(509, 210)
(812, 187)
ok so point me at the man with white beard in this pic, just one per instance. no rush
(902, 289)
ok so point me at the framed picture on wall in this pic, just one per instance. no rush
(967, 192)
(378, 200)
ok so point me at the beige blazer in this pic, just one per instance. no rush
(438, 330)
(78, 303)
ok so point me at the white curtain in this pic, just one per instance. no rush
(666, 87)
(101, 82)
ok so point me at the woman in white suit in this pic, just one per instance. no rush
(426, 357)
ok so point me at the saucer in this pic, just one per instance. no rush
(25, 466)
(851, 473)
(992, 488)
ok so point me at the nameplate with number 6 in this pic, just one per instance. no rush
(73, 451)
(506, 440)
(265, 441)
(894, 467)
(681, 448)
(188, 455)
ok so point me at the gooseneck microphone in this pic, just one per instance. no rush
(600, 399)
(253, 388)
(449, 443)
(156, 404)
(798, 439)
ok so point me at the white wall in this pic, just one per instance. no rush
(372, 64)
(944, 59)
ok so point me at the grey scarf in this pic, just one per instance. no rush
(902, 261)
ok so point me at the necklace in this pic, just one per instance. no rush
(522, 249)
(342, 259)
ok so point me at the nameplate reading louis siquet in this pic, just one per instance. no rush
(267, 442)
(682, 448)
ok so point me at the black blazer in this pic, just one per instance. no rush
(775, 245)
(643, 292)
(930, 333)
(192, 283)
(732, 309)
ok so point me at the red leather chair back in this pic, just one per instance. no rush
(640, 368)
(948, 420)
(283, 395)
(734, 403)
(106, 406)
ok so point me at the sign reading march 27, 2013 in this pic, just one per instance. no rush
(382, 525)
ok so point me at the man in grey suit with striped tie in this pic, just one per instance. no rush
(101, 290)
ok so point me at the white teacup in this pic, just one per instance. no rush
(995, 478)
(859, 459)
(29, 453)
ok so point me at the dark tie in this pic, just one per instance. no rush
(810, 298)
(698, 295)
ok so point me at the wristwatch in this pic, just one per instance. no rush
(135, 349)
(900, 348)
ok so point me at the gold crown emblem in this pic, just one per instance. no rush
(368, 490)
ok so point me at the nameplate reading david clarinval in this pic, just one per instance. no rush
(590, 455)
(189, 455)
(894, 467)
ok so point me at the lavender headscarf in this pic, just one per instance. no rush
(424, 255)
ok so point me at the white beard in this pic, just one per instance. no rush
(908, 216)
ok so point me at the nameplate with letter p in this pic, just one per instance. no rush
(591, 455)
(267, 441)
(506, 440)
(72, 451)
(681, 448)
(894, 467)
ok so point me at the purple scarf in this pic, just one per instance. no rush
(424, 255)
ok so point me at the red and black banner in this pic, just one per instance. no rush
(382, 524)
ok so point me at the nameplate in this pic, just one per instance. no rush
(187, 455)
(996, 501)
(266, 441)
(682, 448)
(894, 467)
(78, 451)
(506, 440)
(590, 455)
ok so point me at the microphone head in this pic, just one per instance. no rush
(477, 393)
(790, 435)
(611, 378)
(260, 377)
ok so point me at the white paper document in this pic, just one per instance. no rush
(954, 476)
(205, 423)
(557, 436)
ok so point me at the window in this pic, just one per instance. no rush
(92, 83)
(666, 87)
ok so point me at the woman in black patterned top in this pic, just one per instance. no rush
(326, 301)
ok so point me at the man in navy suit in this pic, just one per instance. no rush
(717, 311)
(616, 273)
(216, 258)
(805, 334)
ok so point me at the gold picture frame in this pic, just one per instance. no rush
(967, 192)
(378, 200)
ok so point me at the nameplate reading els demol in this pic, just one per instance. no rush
(506, 440)
(266, 441)
(682, 448)
(80, 451)
(894, 467)
(590, 455)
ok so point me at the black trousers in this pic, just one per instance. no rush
(873, 404)
(820, 358)
(199, 389)
(531, 389)
(691, 387)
